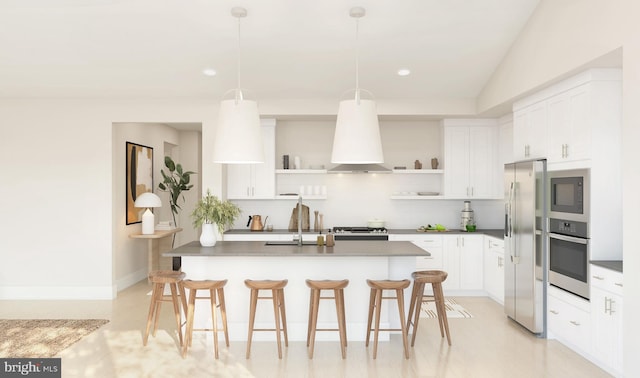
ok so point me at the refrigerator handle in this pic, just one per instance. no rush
(510, 216)
(506, 220)
(512, 251)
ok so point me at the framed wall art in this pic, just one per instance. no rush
(139, 177)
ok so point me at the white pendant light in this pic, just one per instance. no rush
(238, 136)
(357, 136)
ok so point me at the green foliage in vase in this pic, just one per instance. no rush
(175, 182)
(210, 209)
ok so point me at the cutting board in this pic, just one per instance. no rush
(293, 223)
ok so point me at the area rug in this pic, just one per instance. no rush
(454, 310)
(33, 338)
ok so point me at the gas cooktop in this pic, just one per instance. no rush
(359, 230)
(360, 233)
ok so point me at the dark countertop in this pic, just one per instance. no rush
(496, 233)
(342, 248)
(615, 265)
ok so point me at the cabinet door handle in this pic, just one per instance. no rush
(574, 322)
(607, 305)
(611, 302)
(462, 241)
(598, 278)
(554, 312)
(618, 284)
(472, 191)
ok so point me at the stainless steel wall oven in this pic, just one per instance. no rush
(568, 231)
(569, 256)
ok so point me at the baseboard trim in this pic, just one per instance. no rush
(57, 292)
(131, 279)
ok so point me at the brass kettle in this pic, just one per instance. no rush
(255, 223)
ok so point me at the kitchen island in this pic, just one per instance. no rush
(353, 260)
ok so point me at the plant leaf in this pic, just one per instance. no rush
(168, 162)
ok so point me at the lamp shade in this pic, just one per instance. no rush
(357, 136)
(238, 137)
(148, 199)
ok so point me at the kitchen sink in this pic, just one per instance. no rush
(288, 242)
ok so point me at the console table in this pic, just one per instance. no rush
(157, 243)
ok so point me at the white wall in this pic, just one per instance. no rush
(61, 218)
(130, 255)
(561, 38)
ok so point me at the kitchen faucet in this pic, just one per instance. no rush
(300, 220)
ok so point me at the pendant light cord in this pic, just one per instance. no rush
(238, 91)
(357, 64)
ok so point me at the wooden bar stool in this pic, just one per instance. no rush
(375, 302)
(277, 295)
(216, 297)
(314, 303)
(159, 279)
(435, 278)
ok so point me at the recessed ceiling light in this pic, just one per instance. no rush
(404, 72)
(209, 72)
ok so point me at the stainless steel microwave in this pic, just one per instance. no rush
(569, 195)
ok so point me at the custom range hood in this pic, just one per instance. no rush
(359, 168)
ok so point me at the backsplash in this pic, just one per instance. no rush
(354, 199)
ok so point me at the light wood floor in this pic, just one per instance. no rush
(487, 345)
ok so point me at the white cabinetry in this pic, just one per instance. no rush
(529, 132)
(569, 139)
(255, 181)
(606, 318)
(576, 121)
(494, 268)
(463, 262)
(430, 243)
(470, 156)
(569, 320)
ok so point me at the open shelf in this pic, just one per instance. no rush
(300, 171)
(419, 171)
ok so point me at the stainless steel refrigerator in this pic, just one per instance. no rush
(525, 244)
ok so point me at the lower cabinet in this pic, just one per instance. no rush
(569, 320)
(606, 318)
(433, 245)
(463, 262)
(494, 268)
(430, 243)
(592, 328)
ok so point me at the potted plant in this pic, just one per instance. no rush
(175, 182)
(210, 211)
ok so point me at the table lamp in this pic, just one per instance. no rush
(148, 200)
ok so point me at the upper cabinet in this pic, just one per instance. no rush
(470, 156)
(572, 121)
(529, 132)
(255, 181)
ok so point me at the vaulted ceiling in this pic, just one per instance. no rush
(290, 49)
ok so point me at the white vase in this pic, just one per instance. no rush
(208, 236)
